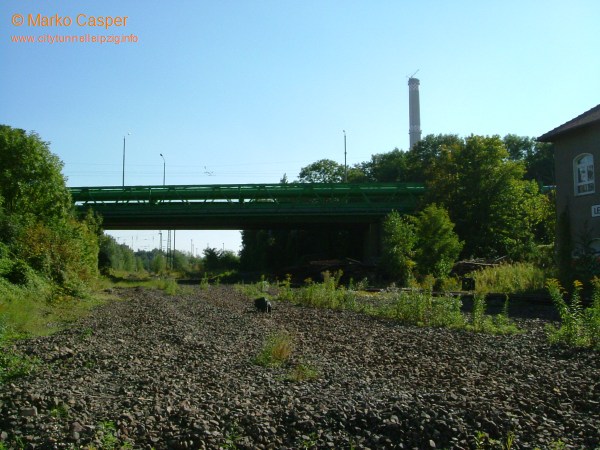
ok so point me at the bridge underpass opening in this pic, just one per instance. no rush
(188, 241)
(313, 243)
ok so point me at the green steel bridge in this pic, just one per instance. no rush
(246, 206)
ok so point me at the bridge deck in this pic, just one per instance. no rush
(245, 205)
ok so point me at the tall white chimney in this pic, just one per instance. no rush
(414, 129)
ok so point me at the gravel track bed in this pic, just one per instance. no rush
(177, 372)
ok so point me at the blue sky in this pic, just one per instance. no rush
(245, 91)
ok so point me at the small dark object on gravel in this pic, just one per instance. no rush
(262, 304)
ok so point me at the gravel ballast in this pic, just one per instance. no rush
(160, 371)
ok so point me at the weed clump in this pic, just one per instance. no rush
(482, 323)
(423, 309)
(276, 350)
(302, 372)
(259, 289)
(204, 283)
(328, 294)
(580, 327)
(169, 286)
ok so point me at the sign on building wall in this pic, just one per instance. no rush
(596, 211)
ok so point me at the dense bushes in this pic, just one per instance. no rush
(39, 231)
(399, 239)
(419, 246)
(437, 246)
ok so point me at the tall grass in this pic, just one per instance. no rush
(490, 324)
(417, 307)
(579, 327)
(36, 308)
(259, 289)
(204, 283)
(33, 309)
(168, 285)
(511, 279)
(12, 365)
(328, 294)
(423, 309)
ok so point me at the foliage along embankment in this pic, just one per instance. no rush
(48, 255)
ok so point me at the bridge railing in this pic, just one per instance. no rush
(241, 193)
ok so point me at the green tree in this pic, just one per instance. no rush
(519, 147)
(115, 256)
(518, 220)
(356, 174)
(422, 156)
(181, 262)
(494, 209)
(437, 247)
(229, 260)
(322, 171)
(399, 240)
(386, 167)
(538, 157)
(158, 264)
(31, 181)
(211, 259)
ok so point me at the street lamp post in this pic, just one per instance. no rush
(164, 167)
(345, 164)
(164, 172)
(124, 158)
(123, 161)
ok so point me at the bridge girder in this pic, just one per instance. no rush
(246, 206)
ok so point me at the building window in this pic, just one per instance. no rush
(583, 168)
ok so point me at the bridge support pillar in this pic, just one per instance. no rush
(372, 248)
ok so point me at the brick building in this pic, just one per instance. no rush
(576, 156)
